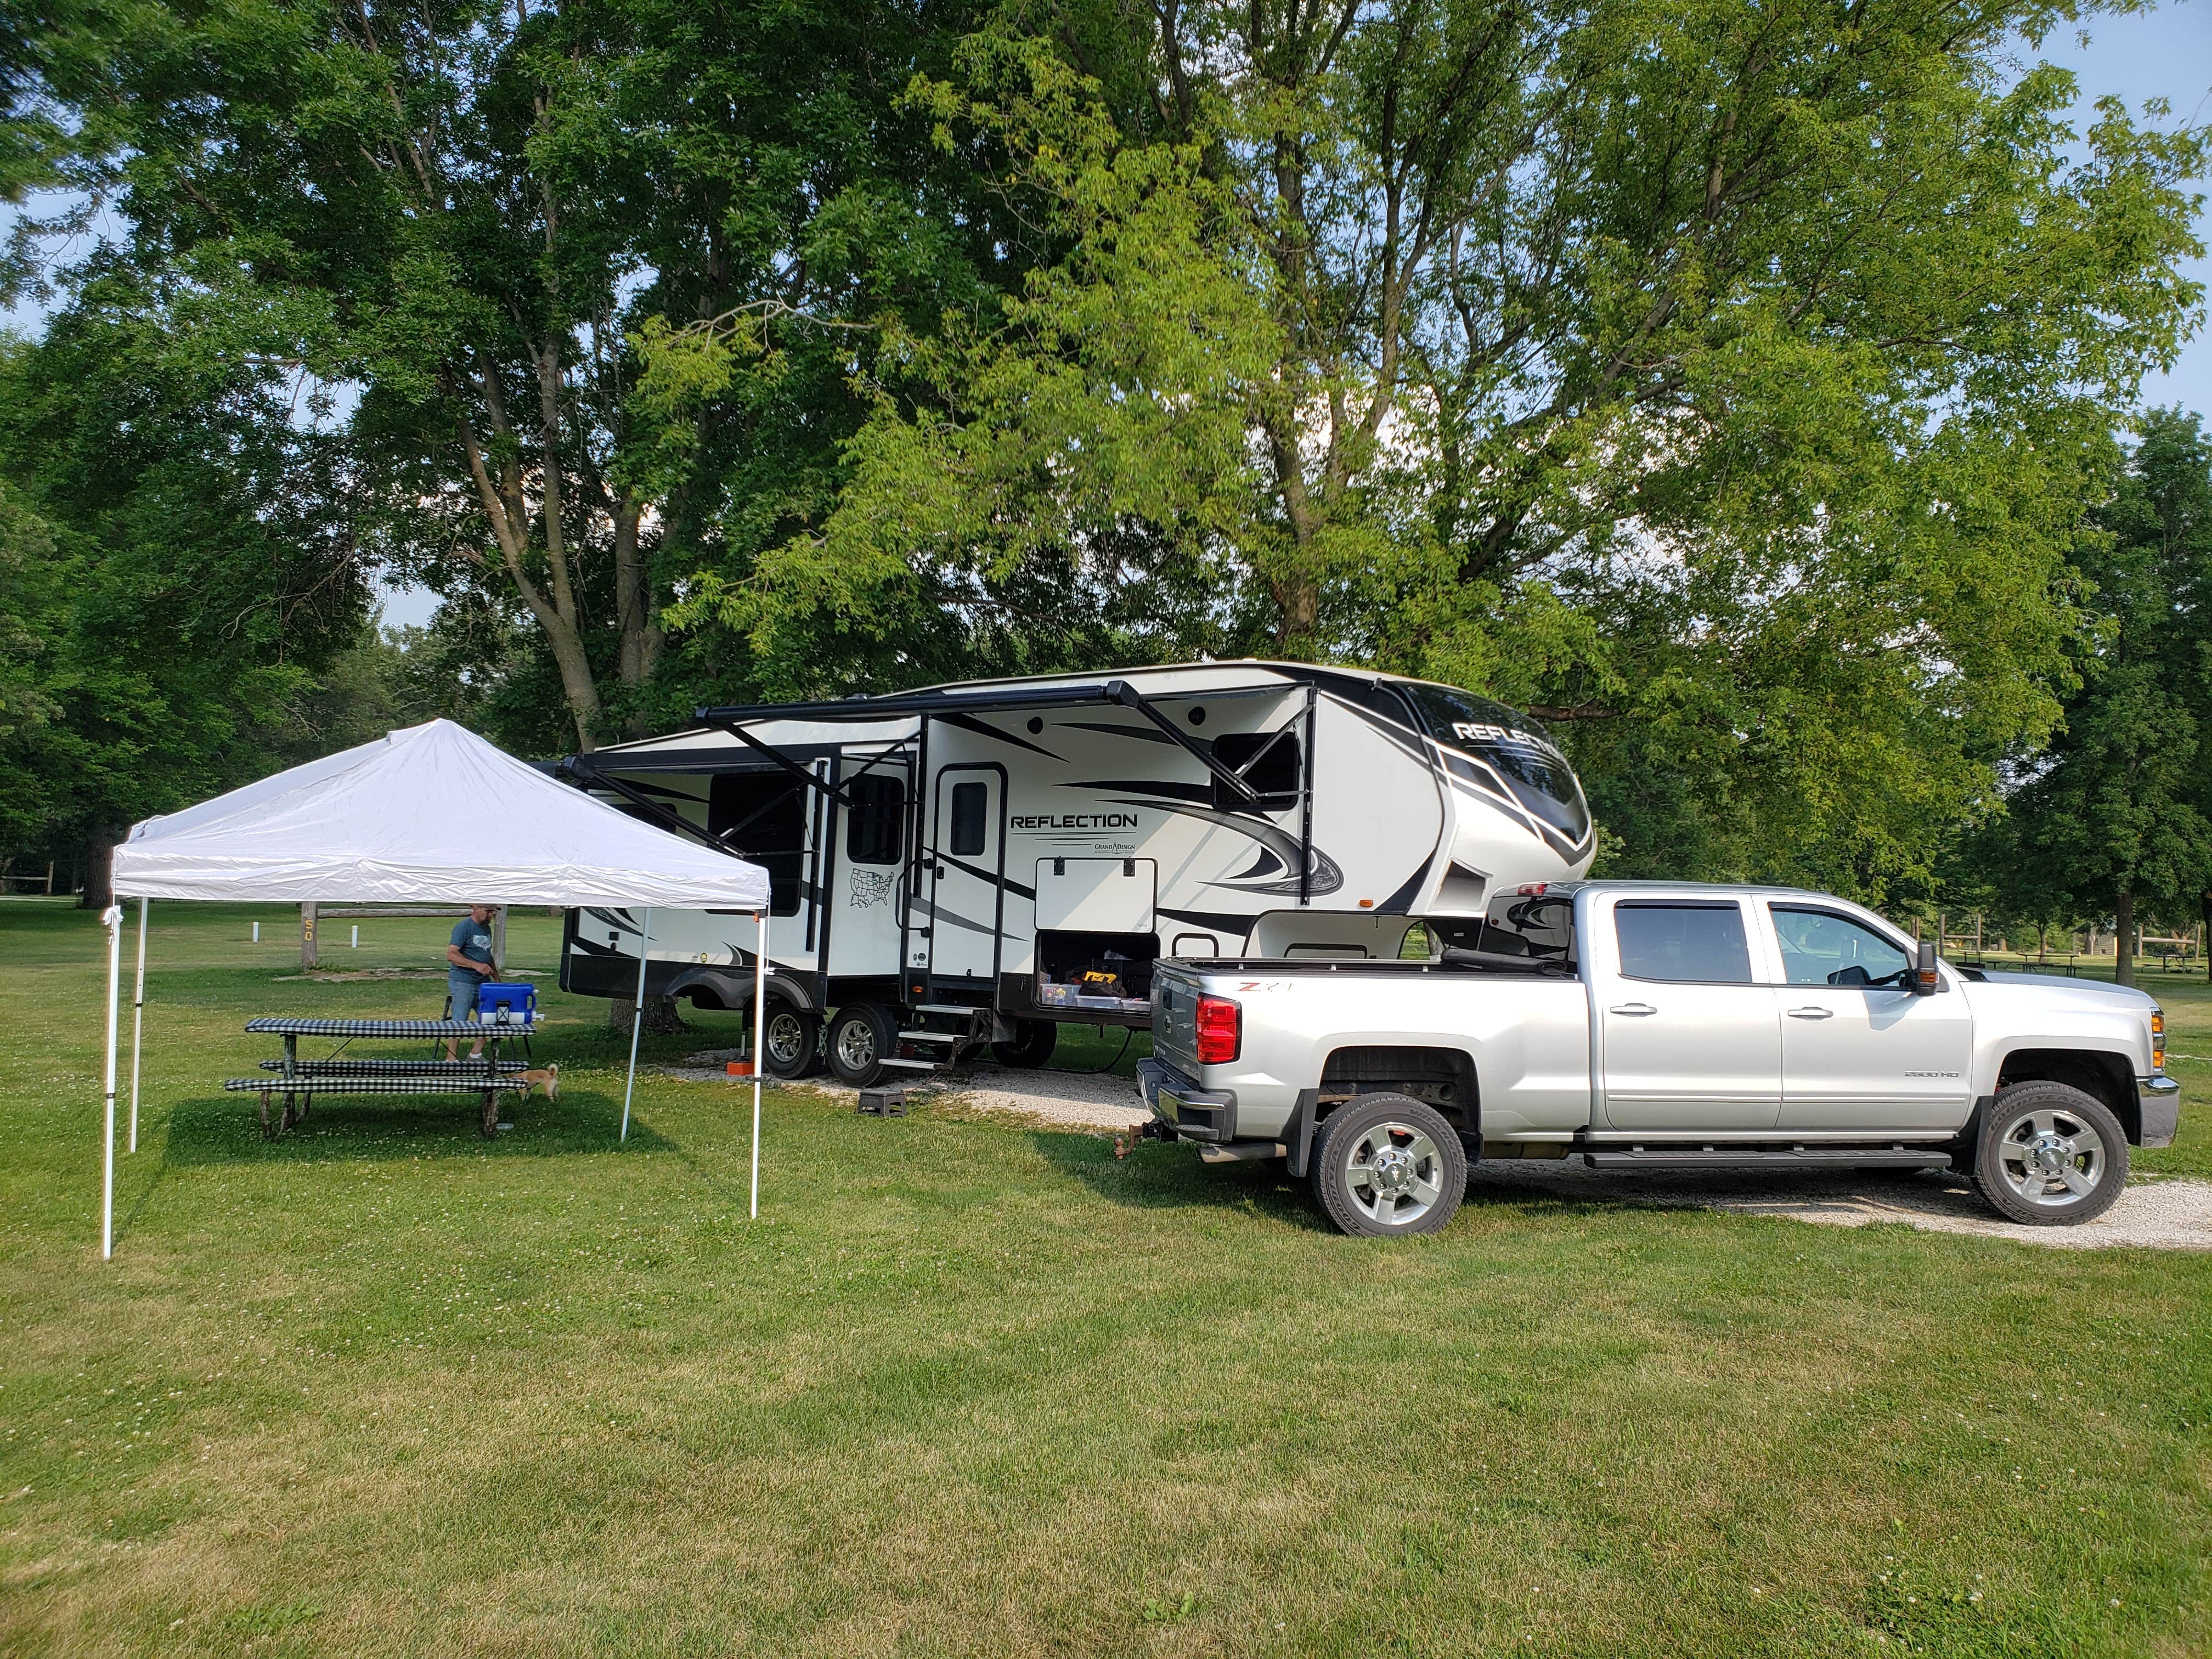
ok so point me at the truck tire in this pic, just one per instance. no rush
(1034, 1041)
(793, 1047)
(862, 1038)
(1386, 1165)
(2050, 1155)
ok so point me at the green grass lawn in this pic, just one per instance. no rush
(966, 1387)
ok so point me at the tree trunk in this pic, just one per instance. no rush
(2123, 939)
(98, 852)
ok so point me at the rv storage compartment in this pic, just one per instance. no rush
(1101, 973)
(1097, 895)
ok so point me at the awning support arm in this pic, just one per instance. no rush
(804, 774)
(662, 814)
(1122, 692)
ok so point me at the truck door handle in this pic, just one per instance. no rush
(1812, 1013)
(1633, 1008)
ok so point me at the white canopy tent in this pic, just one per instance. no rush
(432, 814)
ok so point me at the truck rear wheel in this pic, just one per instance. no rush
(1387, 1165)
(2050, 1155)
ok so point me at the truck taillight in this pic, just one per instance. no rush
(1220, 1030)
(2158, 1039)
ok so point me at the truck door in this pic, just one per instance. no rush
(1860, 1051)
(1689, 1038)
(963, 871)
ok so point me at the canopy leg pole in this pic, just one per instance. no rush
(138, 1024)
(111, 919)
(760, 1040)
(637, 1019)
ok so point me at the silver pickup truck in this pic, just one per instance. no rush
(1660, 1025)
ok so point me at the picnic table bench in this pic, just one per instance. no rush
(299, 1081)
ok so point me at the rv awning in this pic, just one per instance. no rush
(430, 814)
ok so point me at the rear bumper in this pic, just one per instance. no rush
(2161, 1099)
(1192, 1113)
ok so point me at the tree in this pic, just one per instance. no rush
(470, 215)
(2116, 818)
(1726, 381)
(175, 563)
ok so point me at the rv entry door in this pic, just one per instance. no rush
(963, 872)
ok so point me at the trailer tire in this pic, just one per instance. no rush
(1034, 1041)
(1387, 1165)
(2049, 1156)
(793, 1048)
(861, 1037)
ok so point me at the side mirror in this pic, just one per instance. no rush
(1925, 981)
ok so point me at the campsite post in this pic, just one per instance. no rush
(138, 1023)
(637, 1018)
(111, 919)
(760, 1039)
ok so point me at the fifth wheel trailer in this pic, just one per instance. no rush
(977, 862)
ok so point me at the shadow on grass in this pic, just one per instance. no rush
(226, 1129)
(1163, 1177)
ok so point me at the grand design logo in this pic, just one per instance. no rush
(1076, 821)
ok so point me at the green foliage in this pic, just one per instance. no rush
(2117, 814)
(1729, 384)
(175, 567)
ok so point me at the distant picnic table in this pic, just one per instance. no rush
(299, 1081)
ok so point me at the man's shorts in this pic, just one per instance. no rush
(463, 988)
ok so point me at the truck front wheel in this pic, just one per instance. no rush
(2050, 1155)
(1386, 1165)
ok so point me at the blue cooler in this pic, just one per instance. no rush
(506, 1005)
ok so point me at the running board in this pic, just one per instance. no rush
(1711, 1157)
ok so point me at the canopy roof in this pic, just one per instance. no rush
(434, 814)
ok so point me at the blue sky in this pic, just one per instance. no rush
(2166, 53)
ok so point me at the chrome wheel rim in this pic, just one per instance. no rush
(856, 1045)
(2052, 1159)
(786, 1039)
(1394, 1174)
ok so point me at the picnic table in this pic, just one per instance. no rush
(338, 1073)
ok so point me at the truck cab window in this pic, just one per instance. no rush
(1820, 947)
(875, 828)
(1698, 943)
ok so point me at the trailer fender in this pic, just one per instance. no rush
(732, 987)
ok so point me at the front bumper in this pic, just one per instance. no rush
(1192, 1113)
(2160, 1105)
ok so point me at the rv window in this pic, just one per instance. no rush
(970, 803)
(1540, 926)
(875, 829)
(1275, 779)
(762, 815)
(1535, 771)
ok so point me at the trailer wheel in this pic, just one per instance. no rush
(794, 1045)
(1386, 1165)
(861, 1037)
(1033, 1043)
(2050, 1155)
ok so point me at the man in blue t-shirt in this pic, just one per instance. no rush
(468, 965)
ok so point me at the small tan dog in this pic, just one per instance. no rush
(545, 1076)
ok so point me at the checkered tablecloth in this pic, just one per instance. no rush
(398, 1067)
(294, 1025)
(371, 1085)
